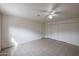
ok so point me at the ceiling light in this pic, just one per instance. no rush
(50, 16)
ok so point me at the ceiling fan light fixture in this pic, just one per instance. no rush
(50, 16)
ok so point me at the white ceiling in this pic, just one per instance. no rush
(32, 11)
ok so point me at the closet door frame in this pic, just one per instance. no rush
(0, 32)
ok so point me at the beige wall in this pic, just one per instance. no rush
(21, 30)
(66, 30)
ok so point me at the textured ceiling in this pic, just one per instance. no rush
(39, 11)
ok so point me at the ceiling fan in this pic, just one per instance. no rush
(53, 12)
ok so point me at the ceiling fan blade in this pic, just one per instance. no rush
(58, 12)
(44, 11)
(55, 15)
(55, 6)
